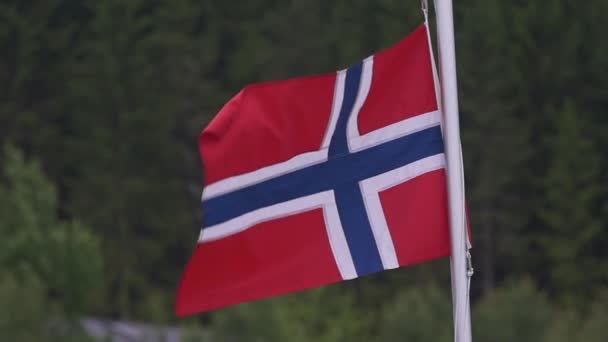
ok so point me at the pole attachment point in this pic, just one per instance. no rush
(470, 269)
(424, 5)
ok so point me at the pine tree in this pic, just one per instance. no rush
(496, 137)
(570, 210)
(128, 168)
(50, 269)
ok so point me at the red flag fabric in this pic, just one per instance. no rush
(321, 179)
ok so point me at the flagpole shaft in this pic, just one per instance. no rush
(449, 91)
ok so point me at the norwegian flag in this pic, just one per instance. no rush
(320, 179)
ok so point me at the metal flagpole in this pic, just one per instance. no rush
(460, 269)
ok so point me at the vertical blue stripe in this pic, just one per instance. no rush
(338, 143)
(357, 229)
(349, 199)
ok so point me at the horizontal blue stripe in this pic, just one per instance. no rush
(338, 170)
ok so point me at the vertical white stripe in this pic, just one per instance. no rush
(337, 241)
(382, 235)
(365, 83)
(371, 187)
(335, 108)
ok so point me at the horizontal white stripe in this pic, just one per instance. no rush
(333, 225)
(371, 188)
(298, 162)
(245, 221)
(394, 131)
(402, 174)
(373, 138)
(237, 182)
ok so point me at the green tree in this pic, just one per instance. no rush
(325, 314)
(35, 40)
(594, 328)
(588, 326)
(110, 96)
(128, 170)
(570, 210)
(516, 312)
(496, 136)
(50, 268)
(418, 315)
(25, 308)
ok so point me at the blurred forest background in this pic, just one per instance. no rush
(101, 104)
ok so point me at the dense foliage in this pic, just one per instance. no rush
(101, 103)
